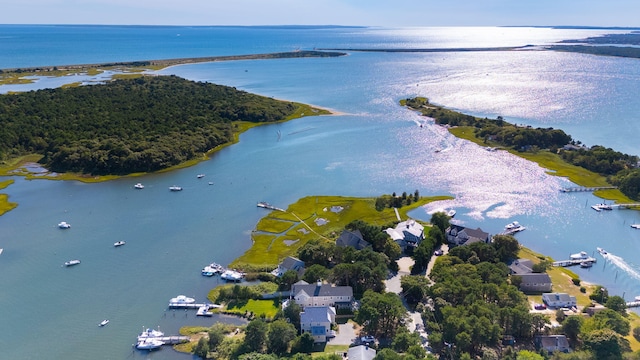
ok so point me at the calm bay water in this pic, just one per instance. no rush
(373, 147)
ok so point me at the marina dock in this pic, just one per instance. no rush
(565, 263)
(192, 306)
(173, 339)
(632, 304)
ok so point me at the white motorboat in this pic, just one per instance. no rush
(212, 269)
(204, 311)
(175, 188)
(512, 225)
(103, 322)
(149, 344)
(119, 243)
(150, 333)
(602, 251)
(200, 176)
(635, 226)
(64, 225)
(586, 264)
(71, 262)
(232, 275)
(210, 182)
(600, 207)
(181, 299)
(138, 186)
(579, 256)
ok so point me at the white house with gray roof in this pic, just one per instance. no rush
(289, 263)
(556, 300)
(460, 235)
(320, 294)
(317, 321)
(408, 234)
(361, 352)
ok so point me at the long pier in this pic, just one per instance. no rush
(173, 339)
(626, 206)
(583, 188)
(192, 306)
(572, 262)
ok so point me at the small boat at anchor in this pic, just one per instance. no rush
(200, 176)
(175, 188)
(586, 264)
(635, 226)
(119, 243)
(103, 322)
(138, 186)
(64, 225)
(71, 262)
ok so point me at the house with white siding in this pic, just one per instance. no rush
(317, 321)
(320, 294)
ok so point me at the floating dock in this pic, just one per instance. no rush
(573, 262)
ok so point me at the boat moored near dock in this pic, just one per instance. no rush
(149, 344)
(580, 255)
(181, 299)
(635, 226)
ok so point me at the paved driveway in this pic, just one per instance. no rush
(346, 335)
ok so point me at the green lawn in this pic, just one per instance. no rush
(268, 308)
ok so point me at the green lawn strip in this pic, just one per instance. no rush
(267, 252)
(273, 225)
(330, 350)
(268, 308)
(554, 163)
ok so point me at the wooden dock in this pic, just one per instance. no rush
(173, 339)
(266, 205)
(626, 206)
(583, 188)
(573, 262)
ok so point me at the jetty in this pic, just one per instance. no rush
(572, 262)
(583, 188)
(192, 306)
(173, 339)
(266, 205)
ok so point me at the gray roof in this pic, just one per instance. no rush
(474, 235)
(321, 290)
(556, 297)
(353, 239)
(521, 266)
(535, 278)
(555, 342)
(291, 263)
(315, 314)
(361, 352)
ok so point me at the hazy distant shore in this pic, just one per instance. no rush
(169, 62)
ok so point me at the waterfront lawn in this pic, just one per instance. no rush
(313, 219)
(268, 308)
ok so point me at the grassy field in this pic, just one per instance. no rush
(312, 218)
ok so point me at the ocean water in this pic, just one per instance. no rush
(373, 146)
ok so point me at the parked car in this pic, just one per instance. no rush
(367, 339)
(438, 252)
(540, 306)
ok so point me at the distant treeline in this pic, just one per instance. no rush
(622, 169)
(128, 125)
(620, 51)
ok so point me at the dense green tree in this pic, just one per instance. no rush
(387, 354)
(403, 339)
(571, 327)
(287, 279)
(314, 273)
(216, 335)
(441, 220)
(280, 335)
(617, 303)
(257, 356)
(605, 343)
(528, 355)
(607, 319)
(201, 349)
(381, 314)
(303, 344)
(317, 252)
(600, 294)
(292, 314)
(255, 337)
(414, 288)
(507, 247)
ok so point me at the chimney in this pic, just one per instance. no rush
(319, 283)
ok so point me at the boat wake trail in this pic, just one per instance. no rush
(623, 265)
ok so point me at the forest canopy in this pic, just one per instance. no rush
(129, 125)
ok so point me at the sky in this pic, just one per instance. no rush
(386, 13)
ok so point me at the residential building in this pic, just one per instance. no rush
(353, 239)
(320, 294)
(557, 300)
(552, 343)
(361, 352)
(460, 235)
(289, 263)
(535, 282)
(408, 234)
(521, 266)
(317, 320)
